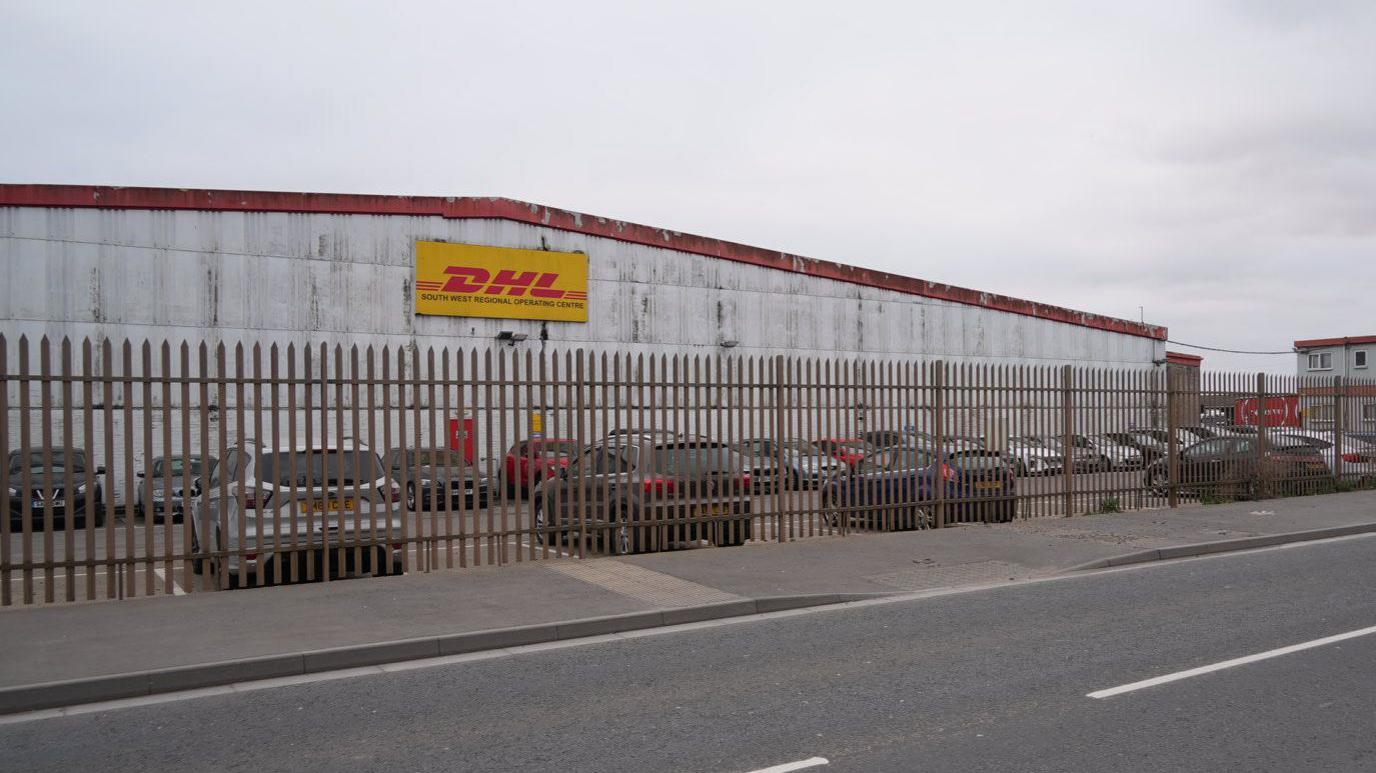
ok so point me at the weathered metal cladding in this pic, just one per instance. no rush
(265, 277)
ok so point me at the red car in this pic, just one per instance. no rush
(852, 451)
(530, 461)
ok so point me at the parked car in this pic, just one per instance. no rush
(430, 472)
(1358, 457)
(295, 500)
(846, 450)
(902, 491)
(54, 479)
(1083, 458)
(161, 489)
(882, 488)
(1233, 465)
(806, 465)
(632, 493)
(530, 461)
(1031, 455)
(1149, 445)
(1120, 456)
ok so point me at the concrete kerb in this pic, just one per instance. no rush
(50, 695)
(1225, 546)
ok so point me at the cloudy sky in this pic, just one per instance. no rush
(1213, 163)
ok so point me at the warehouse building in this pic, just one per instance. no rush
(264, 267)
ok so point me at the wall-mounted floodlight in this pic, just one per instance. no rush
(730, 344)
(510, 337)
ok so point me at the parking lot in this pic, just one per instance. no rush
(498, 534)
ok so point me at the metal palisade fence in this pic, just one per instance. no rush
(137, 469)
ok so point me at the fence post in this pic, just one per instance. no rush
(1067, 446)
(939, 436)
(778, 367)
(1339, 419)
(1172, 439)
(1261, 488)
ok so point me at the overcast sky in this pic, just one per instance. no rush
(1214, 163)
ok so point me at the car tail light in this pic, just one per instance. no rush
(1354, 458)
(396, 546)
(745, 479)
(661, 485)
(947, 473)
(250, 556)
(391, 495)
(256, 500)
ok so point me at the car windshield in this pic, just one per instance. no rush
(177, 466)
(688, 460)
(801, 447)
(1029, 442)
(327, 467)
(35, 461)
(976, 461)
(853, 446)
(435, 457)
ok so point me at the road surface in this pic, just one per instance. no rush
(996, 679)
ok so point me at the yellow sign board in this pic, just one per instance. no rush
(470, 280)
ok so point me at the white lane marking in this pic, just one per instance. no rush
(1242, 661)
(810, 762)
(176, 587)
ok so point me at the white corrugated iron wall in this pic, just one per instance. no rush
(281, 277)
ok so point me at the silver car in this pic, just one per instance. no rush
(1120, 456)
(262, 504)
(804, 464)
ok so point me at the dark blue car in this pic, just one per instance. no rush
(904, 488)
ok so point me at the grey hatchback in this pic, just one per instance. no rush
(632, 493)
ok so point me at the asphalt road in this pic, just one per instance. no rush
(989, 680)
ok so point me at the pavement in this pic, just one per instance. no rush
(997, 678)
(55, 653)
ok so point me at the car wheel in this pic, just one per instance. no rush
(622, 538)
(830, 516)
(197, 564)
(1008, 512)
(551, 538)
(1158, 482)
(732, 533)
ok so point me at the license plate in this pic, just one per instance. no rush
(330, 505)
(712, 511)
(988, 485)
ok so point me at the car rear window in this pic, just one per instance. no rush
(328, 467)
(689, 460)
(977, 461)
(59, 460)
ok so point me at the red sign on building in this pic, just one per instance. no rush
(1282, 411)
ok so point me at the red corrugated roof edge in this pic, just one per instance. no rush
(1180, 358)
(1313, 342)
(19, 195)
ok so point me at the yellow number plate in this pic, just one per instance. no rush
(331, 505)
(988, 485)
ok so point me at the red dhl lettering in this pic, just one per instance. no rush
(471, 280)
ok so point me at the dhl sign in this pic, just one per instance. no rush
(470, 280)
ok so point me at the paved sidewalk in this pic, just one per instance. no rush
(81, 641)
